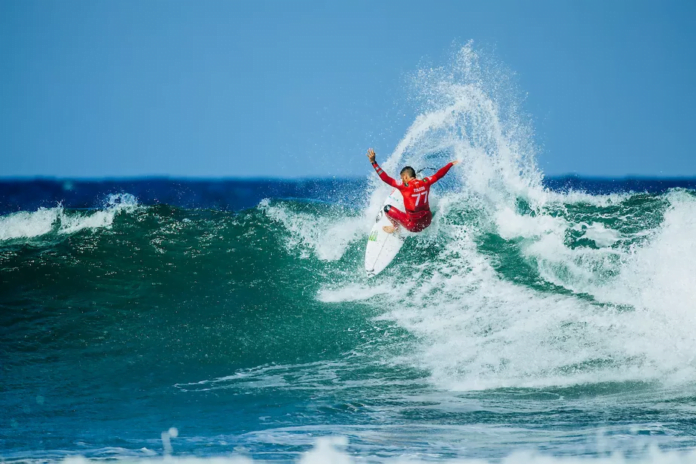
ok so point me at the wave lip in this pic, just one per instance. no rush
(27, 225)
(326, 236)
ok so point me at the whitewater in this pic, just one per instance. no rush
(529, 323)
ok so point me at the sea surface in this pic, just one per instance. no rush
(548, 320)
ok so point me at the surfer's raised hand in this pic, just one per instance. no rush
(455, 162)
(371, 155)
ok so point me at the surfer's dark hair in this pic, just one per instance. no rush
(408, 169)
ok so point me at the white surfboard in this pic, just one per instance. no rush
(382, 247)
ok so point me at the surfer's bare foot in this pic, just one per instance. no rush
(389, 229)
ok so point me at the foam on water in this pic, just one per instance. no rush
(333, 450)
(29, 224)
(25, 224)
(353, 292)
(476, 329)
(511, 225)
(598, 233)
(327, 237)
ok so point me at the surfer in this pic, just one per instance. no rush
(415, 191)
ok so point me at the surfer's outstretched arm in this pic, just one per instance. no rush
(380, 172)
(441, 173)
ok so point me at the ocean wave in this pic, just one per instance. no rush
(522, 286)
(27, 225)
(333, 449)
(326, 236)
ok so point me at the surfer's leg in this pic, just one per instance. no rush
(395, 216)
(411, 222)
(421, 223)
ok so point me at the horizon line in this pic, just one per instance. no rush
(304, 179)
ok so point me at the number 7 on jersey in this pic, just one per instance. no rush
(417, 196)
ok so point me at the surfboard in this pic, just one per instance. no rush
(382, 247)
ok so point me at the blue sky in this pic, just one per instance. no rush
(301, 89)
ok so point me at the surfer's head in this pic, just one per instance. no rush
(407, 174)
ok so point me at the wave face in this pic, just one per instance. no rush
(530, 315)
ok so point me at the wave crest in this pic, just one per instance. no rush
(27, 225)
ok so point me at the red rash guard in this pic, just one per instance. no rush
(417, 215)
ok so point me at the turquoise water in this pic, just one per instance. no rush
(146, 319)
(252, 334)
